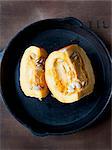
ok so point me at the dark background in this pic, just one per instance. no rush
(14, 15)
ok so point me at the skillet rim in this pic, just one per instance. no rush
(106, 51)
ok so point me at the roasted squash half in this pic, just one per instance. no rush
(32, 72)
(69, 74)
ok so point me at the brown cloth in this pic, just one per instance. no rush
(14, 15)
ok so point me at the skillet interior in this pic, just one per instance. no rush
(50, 116)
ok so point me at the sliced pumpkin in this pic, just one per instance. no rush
(32, 72)
(69, 74)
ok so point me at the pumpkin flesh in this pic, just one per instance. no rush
(69, 74)
(32, 72)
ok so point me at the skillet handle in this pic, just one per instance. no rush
(1, 54)
(73, 21)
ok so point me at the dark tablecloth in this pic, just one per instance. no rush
(14, 15)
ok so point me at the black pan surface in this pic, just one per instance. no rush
(51, 116)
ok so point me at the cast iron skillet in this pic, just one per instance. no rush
(51, 117)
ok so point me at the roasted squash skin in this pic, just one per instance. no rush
(32, 72)
(69, 74)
